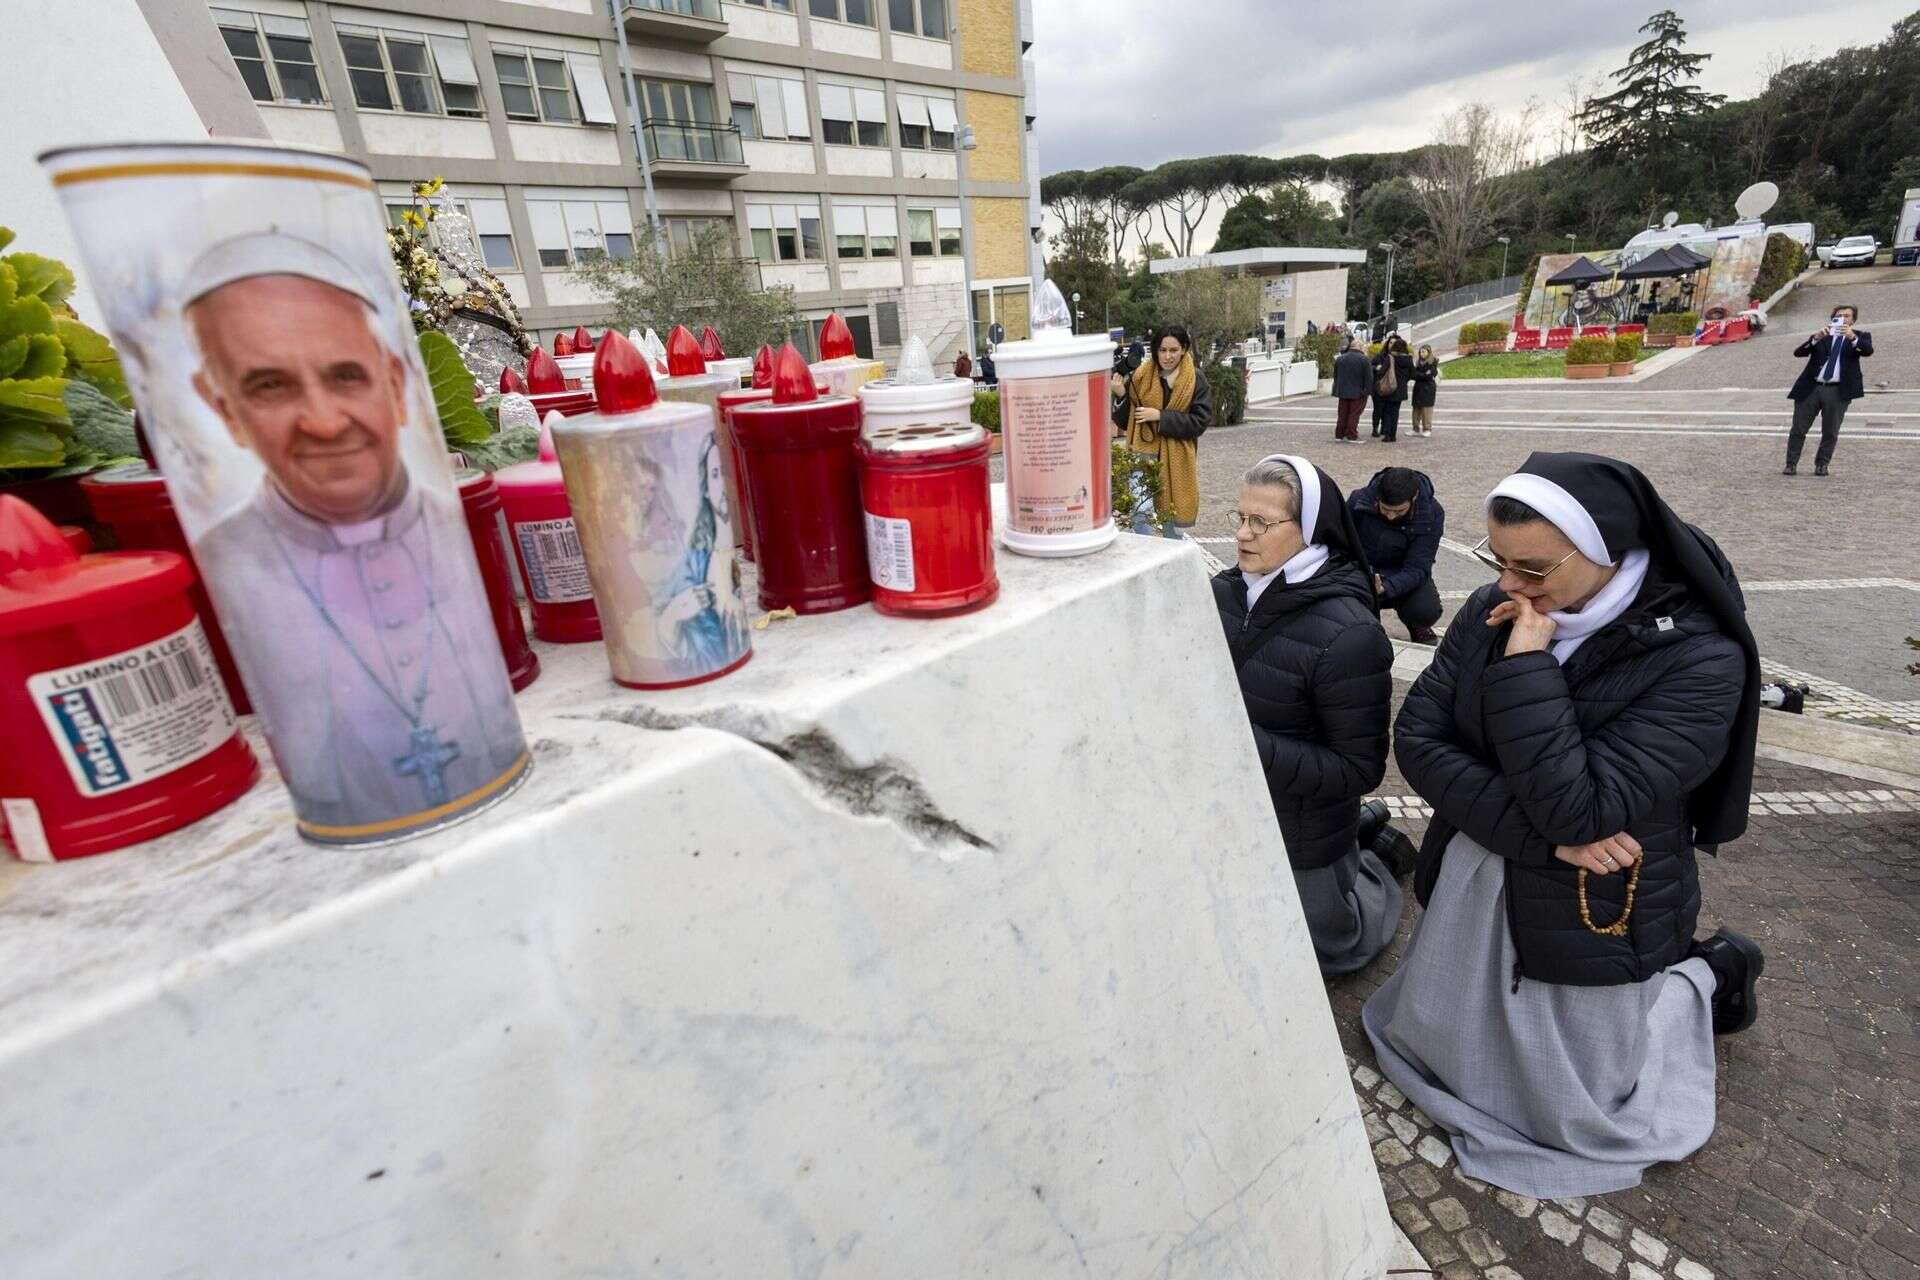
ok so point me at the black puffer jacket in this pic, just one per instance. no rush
(1316, 672)
(1402, 554)
(1523, 755)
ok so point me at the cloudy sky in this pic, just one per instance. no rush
(1142, 81)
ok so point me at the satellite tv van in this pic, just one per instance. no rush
(1906, 235)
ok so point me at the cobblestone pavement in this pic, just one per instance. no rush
(1809, 1175)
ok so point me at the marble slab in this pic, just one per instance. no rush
(911, 950)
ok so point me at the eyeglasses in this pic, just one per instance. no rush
(1260, 525)
(1498, 565)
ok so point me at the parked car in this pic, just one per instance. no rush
(1854, 251)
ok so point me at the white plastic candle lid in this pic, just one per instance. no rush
(924, 438)
(1046, 357)
(942, 400)
(708, 381)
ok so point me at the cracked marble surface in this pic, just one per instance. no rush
(906, 950)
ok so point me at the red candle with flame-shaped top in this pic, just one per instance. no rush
(684, 356)
(511, 382)
(562, 345)
(480, 499)
(118, 725)
(724, 406)
(546, 546)
(543, 375)
(840, 367)
(710, 344)
(646, 482)
(802, 486)
(582, 341)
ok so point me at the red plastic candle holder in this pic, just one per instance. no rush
(118, 726)
(927, 495)
(487, 525)
(802, 487)
(546, 547)
(133, 502)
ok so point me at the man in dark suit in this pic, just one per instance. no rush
(1830, 382)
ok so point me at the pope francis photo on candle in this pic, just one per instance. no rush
(397, 706)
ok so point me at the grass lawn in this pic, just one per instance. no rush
(1512, 364)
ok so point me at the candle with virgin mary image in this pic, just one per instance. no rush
(271, 352)
(649, 494)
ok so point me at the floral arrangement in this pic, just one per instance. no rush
(443, 274)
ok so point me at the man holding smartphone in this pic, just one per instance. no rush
(1830, 382)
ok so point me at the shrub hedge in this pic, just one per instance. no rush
(986, 410)
(1683, 322)
(1484, 331)
(1229, 387)
(1626, 348)
(1321, 348)
(1591, 349)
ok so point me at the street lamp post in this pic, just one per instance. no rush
(1386, 302)
(1571, 237)
(1076, 315)
(1504, 242)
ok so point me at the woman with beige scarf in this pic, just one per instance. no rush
(1164, 408)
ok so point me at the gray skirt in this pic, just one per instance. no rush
(1352, 910)
(1550, 1091)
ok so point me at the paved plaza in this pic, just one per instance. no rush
(1807, 1176)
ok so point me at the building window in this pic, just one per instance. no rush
(557, 88)
(933, 233)
(918, 18)
(886, 319)
(852, 117)
(857, 12)
(866, 231)
(782, 6)
(927, 122)
(859, 326)
(570, 232)
(421, 75)
(274, 56)
(769, 107)
(786, 232)
(684, 233)
(491, 226)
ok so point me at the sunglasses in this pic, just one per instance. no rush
(1498, 565)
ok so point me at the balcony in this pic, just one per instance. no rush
(687, 149)
(686, 21)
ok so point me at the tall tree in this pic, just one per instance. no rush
(1064, 195)
(1107, 190)
(1078, 264)
(1657, 93)
(1187, 189)
(1462, 182)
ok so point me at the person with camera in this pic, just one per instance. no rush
(1352, 380)
(1392, 375)
(1164, 407)
(1830, 382)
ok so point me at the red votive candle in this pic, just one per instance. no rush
(802, 487)
(546, 546)
(486, 523)
(133, 501)
(929, 513)
(118, 726)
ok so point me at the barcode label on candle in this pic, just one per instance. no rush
(556, 569)
(131, 717)
(890, 552)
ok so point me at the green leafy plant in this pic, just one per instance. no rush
(1626, 348)
(986, 410)
(45, 352)
(472, 429)
(1136, 478)
(1321, 348)
(706, 283)
(1229, 388)
(1674, 322)
(1591, 349)
(1479, 331)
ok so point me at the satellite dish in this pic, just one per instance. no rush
(1672, 217)
(1756, 200)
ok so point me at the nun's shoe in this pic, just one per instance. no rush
(1819, 468)
(1392, 847)
(1791, 470)
(1737, 963)
(1373, 816)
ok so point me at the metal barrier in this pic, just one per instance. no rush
(1454, 299)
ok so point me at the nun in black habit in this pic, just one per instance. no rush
(1316, 674)
(1587, 724)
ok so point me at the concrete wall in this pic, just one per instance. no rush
(999, 238)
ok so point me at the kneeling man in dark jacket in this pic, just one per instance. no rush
(1316, 673)
(1400, 524)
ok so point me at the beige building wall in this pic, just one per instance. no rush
(1000, 131)
(987, 37)
(999, 237)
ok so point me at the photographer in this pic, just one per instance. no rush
(1830, 382)
(1164, 406)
